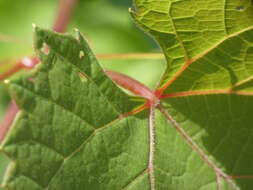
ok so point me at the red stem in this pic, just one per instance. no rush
(132, 85)
(12, 71)
(25, 63)
(63, 17)
(64, 14)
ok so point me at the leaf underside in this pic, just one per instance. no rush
(72, 132)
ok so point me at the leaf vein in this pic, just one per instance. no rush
(135, 179)
(54, 103)
(87, 140)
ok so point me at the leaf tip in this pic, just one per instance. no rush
(78, 34)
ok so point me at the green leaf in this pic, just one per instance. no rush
(80, 118)
(78, 130)
(207, 87)
(194, 28)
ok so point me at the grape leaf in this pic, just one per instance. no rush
(78, 130)
(207, 87)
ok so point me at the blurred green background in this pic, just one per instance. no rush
(105, 23)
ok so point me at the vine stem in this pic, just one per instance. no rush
(131, 84)
(152, 103)
(64, 13)
(11, 71)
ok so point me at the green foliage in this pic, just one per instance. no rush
(71, 133)
(59, 141)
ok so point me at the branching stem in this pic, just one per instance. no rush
(131, 84)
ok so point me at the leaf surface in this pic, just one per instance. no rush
(74, 133)
(207, 87)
